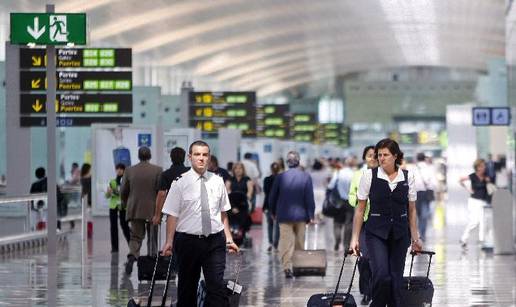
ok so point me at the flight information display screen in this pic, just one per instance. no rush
(334, 133)
(273, 121)
(210, 111)
(303, 127)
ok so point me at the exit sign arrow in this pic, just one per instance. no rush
(48, 28)
(36, 31)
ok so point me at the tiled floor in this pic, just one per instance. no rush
(97, 278)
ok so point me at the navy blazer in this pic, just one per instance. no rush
(292, 197)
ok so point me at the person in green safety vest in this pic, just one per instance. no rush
(363, 265)
(117, 209)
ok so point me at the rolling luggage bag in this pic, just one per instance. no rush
(309, 262)
(147, 268)
(417, 291)
(149, 301)
(233, 289)
(335, 298)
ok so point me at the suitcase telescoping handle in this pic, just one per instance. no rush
(237, 273)
(346, 253)
(153, 280)
(415, 253)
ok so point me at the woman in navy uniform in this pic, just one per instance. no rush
(391, 226)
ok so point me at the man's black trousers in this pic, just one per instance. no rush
(193, 253)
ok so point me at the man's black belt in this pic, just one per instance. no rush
(200, 236)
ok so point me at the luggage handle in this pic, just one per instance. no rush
(307, 227)
(346, 253)
(415, 253)
(153, 281)
(237, 273)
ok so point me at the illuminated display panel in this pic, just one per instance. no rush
(334, 133)
(304, 127)
(273, 120)
(210, 111)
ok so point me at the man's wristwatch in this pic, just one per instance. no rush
(229, 242)
(414, 241)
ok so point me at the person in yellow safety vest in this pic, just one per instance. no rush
(363, 266)
(117, 209)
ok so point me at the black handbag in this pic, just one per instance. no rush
(333, 203)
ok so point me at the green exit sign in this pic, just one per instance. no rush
(48, 28)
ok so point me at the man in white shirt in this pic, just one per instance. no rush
(253, 172)
(425, 184)
(198, 230)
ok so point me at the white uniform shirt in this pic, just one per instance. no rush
(367, 177)
(184, 202)
(251, 170)
(425, 178)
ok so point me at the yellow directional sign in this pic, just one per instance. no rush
(36, 61)
(37, 106)
(35, 83)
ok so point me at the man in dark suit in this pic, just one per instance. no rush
(140, 185)
(292, 204)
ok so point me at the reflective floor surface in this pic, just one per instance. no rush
(96, 277)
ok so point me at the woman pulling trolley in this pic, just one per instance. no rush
(392, 216)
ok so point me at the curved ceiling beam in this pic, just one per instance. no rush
(264, 14)
(135, 21)
(243, 61)
(319, 74)
(210, 66)
(80, 6)
(317, 57)
(272, 76)
(244, 38)
(260, 69)
(314, 30)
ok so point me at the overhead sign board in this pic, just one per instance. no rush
(273, 120)
(491, 116)
(78, 103)
(78, 81)
(77, 57)
(48, 28)
(303, 127)
(210, 111)
(500, 116)
(26, 121)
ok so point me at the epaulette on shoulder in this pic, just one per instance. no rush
(178, 177)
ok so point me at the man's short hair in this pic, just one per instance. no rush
(248, 155)
(198, 143)
(177, 155)
(144, 153)
(420, 157)
(120, 166)
(293, 159)
(40, 172)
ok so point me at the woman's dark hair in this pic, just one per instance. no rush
(394, 149)
(364, 154)
(317, 165)
(275, 168)
(85, 169)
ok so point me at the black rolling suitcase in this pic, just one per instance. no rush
(335, 298)
(419, 290)
(233, 289)
(149, 301)
(154, 268)
(147, 268)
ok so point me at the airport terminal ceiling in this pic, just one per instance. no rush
(270, 46)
